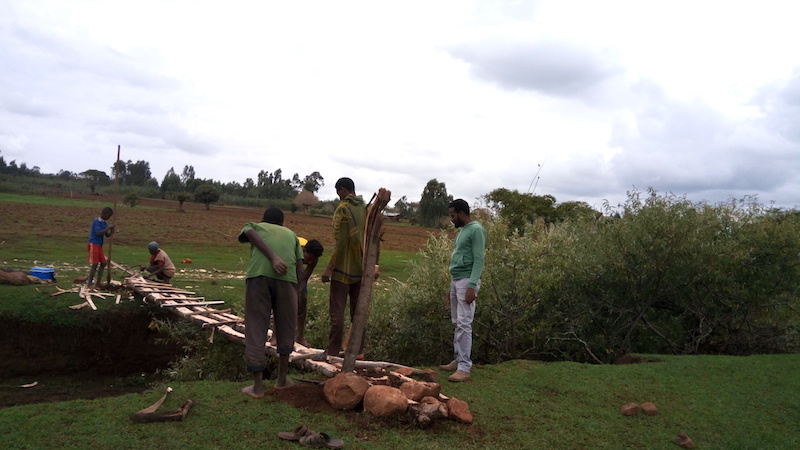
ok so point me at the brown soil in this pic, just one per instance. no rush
(219, 225)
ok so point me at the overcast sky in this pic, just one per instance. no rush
(582, 100)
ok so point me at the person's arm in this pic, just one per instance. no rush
(254, 238)
(299, 269)
(478, 248)
(307, 271)
(108, 231)
(157, 269)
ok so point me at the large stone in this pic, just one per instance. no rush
(415, 390)
(458, 410)
(684, 441)
(384, 401)
(629, 409)
(429, 375)
(649, 408)
(427, 411)
(345, 391)
(431, 403)
(405, 371)
(14, 278)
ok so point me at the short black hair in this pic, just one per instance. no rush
(274, 216)
(346, 183)
(107, 210)
(314, 247)
(460, 205)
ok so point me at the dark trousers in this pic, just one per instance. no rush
(264, 296)
(337, 302)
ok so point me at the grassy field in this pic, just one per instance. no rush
(720, 402)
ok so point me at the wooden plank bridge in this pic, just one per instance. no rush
(190, 306)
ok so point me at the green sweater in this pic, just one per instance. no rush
(349, 221)
(467, 259)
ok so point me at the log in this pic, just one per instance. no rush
(171, 416)
(372, 238)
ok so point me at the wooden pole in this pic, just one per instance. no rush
(372, 238)
(114, 221)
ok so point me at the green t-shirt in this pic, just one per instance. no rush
(467, 258)
(282, 241)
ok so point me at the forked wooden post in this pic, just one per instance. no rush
(372, 238)
(116, 189)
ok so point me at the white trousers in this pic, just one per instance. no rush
(462, 314)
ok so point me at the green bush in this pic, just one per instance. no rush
(131, 199)
(665, 276)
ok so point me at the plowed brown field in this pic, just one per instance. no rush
(218, 226)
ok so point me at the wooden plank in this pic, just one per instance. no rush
(210, 311)
(167, 297)
(223, 322)
(117, 266)
(213, 302)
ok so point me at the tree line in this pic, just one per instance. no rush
(296, 193)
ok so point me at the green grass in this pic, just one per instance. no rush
(719, 401)
(58, 201)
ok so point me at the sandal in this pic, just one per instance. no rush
(321, 440)
(295, 435)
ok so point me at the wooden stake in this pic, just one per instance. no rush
(116, 189)
(372, 239)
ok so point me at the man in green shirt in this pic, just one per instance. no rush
(466, 266)
(270, 289)
(345, 268)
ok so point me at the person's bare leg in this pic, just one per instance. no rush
(283, 368)
(301, 330)
(100, 274)
(257, 389)
(92, 271)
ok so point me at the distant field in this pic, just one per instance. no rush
(52, 231)
(69, 219)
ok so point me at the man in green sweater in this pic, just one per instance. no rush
(344, 271)
(466, 266)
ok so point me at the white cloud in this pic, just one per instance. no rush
(596, 97)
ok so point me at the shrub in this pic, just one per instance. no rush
(131, 199)
(666, 276)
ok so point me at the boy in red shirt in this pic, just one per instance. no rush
(100, 229)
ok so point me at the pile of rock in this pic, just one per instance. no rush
(386, 394)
